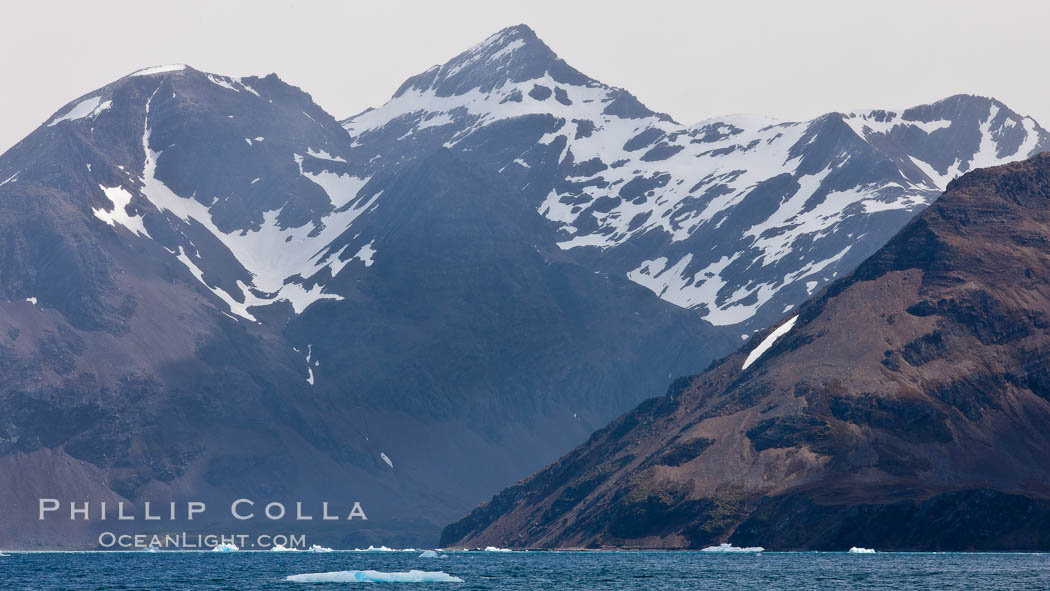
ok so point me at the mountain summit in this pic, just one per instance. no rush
(904, 407)
(209, 284)
(511, 56)
(202, 294)
(738, 218)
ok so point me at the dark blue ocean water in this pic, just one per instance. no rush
(586, 571)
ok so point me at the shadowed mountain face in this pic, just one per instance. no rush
(211, 289)
(200, 302)
(739, 218)
(905, 407)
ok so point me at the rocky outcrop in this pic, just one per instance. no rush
(904, 407)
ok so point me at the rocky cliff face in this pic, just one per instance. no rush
(906, 406)
(200, 300)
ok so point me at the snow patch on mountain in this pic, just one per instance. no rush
(160, 70)
(89, 107)
(278, 258)
(767, 342)
(120, 198)
(323, 155)
(340, 187)
(787, 196)
(365, 254)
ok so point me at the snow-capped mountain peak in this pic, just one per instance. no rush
(512, 55)
(739, 217)
(242, 181)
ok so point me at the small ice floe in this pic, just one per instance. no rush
(225, 548)
(316, 548)
(375, 576)
(31, 300)
(283, 548)
(384, 549)
(2, 555)
(729, 548)
(151, 549)
(431, 554)
(856, 550)
(495, 549)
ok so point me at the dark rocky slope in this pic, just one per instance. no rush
(905, 407)
(188, 311)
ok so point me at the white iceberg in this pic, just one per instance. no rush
(856, 550)
(384, 549)
(431, 554)
(495, 549)
(375, 576)
(283, 548)
(316, 548)
(729, 548)
(151, 549)
(225, 548)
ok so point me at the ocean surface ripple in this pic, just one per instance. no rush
(565, 571)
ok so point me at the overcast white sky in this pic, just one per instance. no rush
(692, 59)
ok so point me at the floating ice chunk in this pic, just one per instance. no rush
(495, 549)
(225, 548)
(31, 300)
(384, 549)
(151, 549)
(856, 550)
(316, 548)
(386, 459)
(729, 548)
(375, 576)
(283, 548)
(768, 342)
(431, 554)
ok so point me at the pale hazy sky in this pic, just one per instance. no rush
(692, 59)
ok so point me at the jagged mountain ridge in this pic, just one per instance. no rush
(248, 209)
(904, 408)
(200, 299)
(739, 218)
(221, 252)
